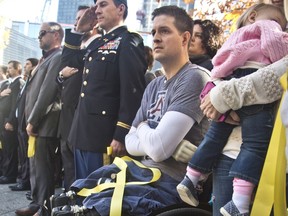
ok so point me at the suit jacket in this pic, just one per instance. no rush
(70, 91)
(3, 107)
(8, 103)
(42, 104)
(20, 109)
(112, 87)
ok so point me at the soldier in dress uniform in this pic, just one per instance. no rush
(70, 91)
(112, 87)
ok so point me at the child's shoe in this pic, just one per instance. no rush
(188, 192)
(230, 209)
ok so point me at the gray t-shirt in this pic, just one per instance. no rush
(181, 94)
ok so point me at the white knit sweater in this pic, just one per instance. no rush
(260, 87)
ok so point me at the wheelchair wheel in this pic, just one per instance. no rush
(186, 211)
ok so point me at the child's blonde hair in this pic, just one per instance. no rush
(256, 8)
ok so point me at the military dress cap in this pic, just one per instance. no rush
(120, 1)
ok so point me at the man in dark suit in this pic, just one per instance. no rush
(9, 133)
(112, 86)
(42, 109)
(3, 74)
(19, 118)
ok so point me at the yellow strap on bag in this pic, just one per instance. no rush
(119, 185)
(31, 146)
(271, 188)
(117, 197)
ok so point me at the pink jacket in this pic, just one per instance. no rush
(262, 42)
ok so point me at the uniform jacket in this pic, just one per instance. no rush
(112, 87)
(70, 91)
(42, 105)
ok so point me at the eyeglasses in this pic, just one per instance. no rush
(42, 33)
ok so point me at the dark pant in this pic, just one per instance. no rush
(86, 162)
(24, 171)
(67, 154)
(10, 154)
(42, 169)
(222, 183)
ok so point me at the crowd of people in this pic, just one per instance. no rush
(98, 91)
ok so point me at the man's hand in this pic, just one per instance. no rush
(5, 92)
(29, 130)
(118, 149)
(68, 71)
(9, 127)
(87, 21)
(184, 151)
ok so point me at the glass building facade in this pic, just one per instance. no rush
(20, 47)
(150, 5)
(18, 41)
(67, 10)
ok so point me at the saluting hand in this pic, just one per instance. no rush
(87, 21)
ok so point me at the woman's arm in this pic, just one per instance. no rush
(260, 87)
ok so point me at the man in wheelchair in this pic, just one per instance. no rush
(167, 123)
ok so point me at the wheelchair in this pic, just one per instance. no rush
(65, 205)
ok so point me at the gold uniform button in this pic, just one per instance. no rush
(103, 112)
(82, 94)
(103, 58)
(87, 71)
(90, 59)
(85, 83)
